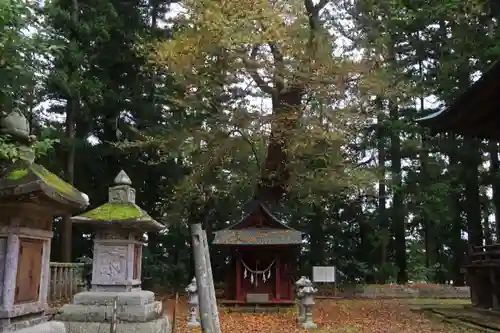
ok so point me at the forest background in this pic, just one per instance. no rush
(309, 106)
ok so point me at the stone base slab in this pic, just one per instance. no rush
(101, 313)
(47, 327)
(308, 325)
(141, 297)
(17, 324)
(161, 325)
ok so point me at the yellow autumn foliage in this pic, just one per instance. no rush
(278, 46)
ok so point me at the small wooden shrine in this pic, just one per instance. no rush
(475, 114)
(263, 253)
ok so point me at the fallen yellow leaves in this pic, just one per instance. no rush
(353, 316)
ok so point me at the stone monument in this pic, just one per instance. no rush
(30, 197)
(119, 226)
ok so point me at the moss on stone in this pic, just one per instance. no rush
(53, 181)
(22, 173)
(115, 212)
(17, 174)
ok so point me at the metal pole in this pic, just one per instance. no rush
(213, 299)
(200, 271)
(114, 321)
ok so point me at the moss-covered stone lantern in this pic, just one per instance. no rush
(30, 197)
(118, 226)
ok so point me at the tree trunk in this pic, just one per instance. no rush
(383, 241)
(457, 243)
(485, 203)
(287, 105)
(495, 183)
(398, 209)
(275, 173)
(471, 160)
(317, 234)
(426, 222)
(153, 237)
(72, 106)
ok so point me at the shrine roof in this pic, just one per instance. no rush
(24, 178)
(258, 207)
(121, 209)
(474, 113)
(258, 236)
(258, 227)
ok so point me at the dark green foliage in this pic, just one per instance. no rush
(431, 189)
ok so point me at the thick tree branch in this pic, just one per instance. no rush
(252, 68)
(312, 12)
(250, 143)
(315, 9)
(279, 68)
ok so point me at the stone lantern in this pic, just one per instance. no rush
(308, 301)
(193, 301)
(301, 283)
(30, 197)
(119, 226)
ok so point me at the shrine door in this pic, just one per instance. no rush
(258, 274)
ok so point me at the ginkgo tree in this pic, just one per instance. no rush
(225, 54)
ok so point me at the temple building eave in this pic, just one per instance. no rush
(474, 113)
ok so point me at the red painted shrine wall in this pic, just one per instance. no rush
(265, 256)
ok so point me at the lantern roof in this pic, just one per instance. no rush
(27, 181)
(32, 181)
(120, 210)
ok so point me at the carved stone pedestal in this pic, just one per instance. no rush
(117, 261)
(137, 311)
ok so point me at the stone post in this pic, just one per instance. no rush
(193, 302)
(211, 286)
(201, 273)
(119, 226)
(301, 283)
(308, 301)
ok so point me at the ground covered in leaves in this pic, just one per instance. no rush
(347, 316)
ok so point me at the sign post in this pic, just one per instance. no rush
(325, 274)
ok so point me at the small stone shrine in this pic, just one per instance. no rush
(30, 197)
(119, 226)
